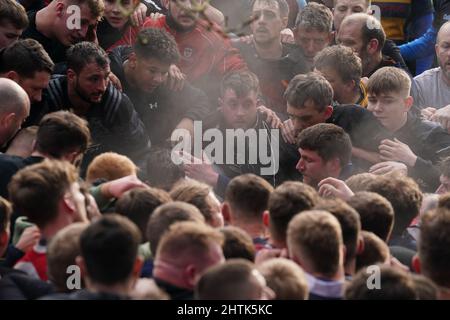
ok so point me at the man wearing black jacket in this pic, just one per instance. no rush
(143, 72)
(86, 91)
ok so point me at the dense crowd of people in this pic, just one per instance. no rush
(224, 149)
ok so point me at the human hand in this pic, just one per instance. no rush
(395, 150)
(334, 188)
(389, 167)
(28, 239)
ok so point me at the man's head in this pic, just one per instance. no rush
(183, 14)
(185, 252)
(14, 109)
(376, 213)
(48, 193)
(309, 98)
(88, 71)
(285, 278)
(285, 202)
(154, 51)
(73, 21)
(365, 35)
(236, 279)
(325, 150)
(443, 50)
(313, 29)
(342, 68)
(62, 252)
(395, 284)
(63, 135)
(240, 207)
(344, 8)
(27, 63)
(238, 99)
(13, 20)
(270, 17)
(376, 251)
(166, 215)
(434, 245)
(314, 241)
(5, 217)
(202, 197)
(110, 166)
(237, 244)
(389, 97)
(351, 229)
(404, 195)
(444, 187)
(109, 252)
(138, 205)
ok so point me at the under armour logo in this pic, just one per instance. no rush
(153, 105)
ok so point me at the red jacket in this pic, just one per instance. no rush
(204, 51)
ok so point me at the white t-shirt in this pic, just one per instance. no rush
(430, 90)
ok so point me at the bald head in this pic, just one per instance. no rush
(14, 109)
(443, 50)
(444, 33)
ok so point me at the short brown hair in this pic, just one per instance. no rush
(404, 195)
(138, 205)
(96, 7)
(36, 190)
(375, 251)
(328, 140)
(317, 235)
(315, 16)
(285, 202)
(109, 247)
(282, 5)
(188, 239)
(25, 57)
(285, 278)
(395, 284)
(343, 60)
(350, 224)
(166, 215)
(360, 181)
(196, 193)
(312, 87)
(248, 195)
(434, 246)
(376, 212)
(389, 79)
(241, 82)
(155, 43)
(5, 214)
(14, 13)
(62, 132)
(237, 244)
(62, 252)
(110, 166)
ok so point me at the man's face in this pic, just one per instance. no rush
(34, 86)
(239, 112)
(91, 83)
(307, 115)
(444, 187)
(78, 199)
(443, 51)
(71, 31)
(149, 73)
(182, 13)
(312, 41)
(8, 34)
(268, 25)
(389, 108)
(350, 35)
(312, 167)
(216, 212)
(114, 15)
(333, 77)
(344, 8)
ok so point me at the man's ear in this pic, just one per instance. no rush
(360, 245)
(8, 120)
(226, 212)
(266, 218)
(13, 75)
(331, 37)
(132, 60)
(60, 9)
(372, 46)
(137, 268)
(416, 264)
(328, 111)
(284, 22)
(220, 100)
(409, 103)
(68, 203)
(79, 260)
(4, 238)
(71, 75)
(190, 275)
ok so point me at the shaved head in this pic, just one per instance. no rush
(444, 30)
(14, 109)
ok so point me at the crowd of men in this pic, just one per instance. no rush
(328, 162)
